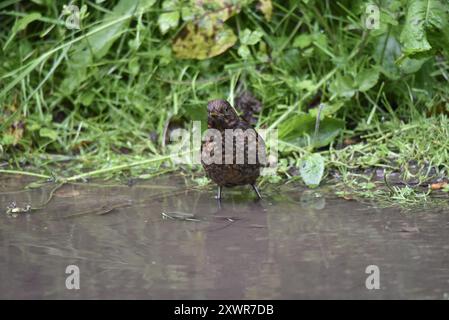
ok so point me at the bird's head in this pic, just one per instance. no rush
(220, 115)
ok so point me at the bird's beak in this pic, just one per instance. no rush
(213, 114)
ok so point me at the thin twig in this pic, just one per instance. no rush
(25, 173)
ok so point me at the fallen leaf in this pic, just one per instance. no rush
(266, 7)
(193, 43)
(207, 36)
(438, 185)
(210, 12)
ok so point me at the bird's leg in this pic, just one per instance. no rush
(218, 205)
(219, 193)
(257, 191)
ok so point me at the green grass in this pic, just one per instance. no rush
(73, 109)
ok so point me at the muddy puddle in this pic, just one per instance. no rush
(161, 240)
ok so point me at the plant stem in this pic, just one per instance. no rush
(117, 168)
(25, 173)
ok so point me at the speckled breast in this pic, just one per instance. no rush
(240, 162)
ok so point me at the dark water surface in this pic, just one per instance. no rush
(160, 240)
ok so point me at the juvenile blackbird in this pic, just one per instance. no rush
(247, 157)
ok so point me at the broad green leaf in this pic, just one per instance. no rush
(244, 52)
(409, 65)
(187, 14)
(311, 169)
(250, 38)
(167, 21)
(300, 130)
(425, 20)
(343, 86)
(76, 72)
(197, 112)
(307, 85)
(386, 52)
(366, 79)
(48, 133)
(101, 41)
(302, 41)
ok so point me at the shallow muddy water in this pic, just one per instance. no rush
(160, 240)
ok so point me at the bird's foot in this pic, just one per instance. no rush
(257, 192)
(218, 196)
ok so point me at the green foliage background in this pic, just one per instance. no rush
(102, 96)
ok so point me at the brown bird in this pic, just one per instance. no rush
(234, 161)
